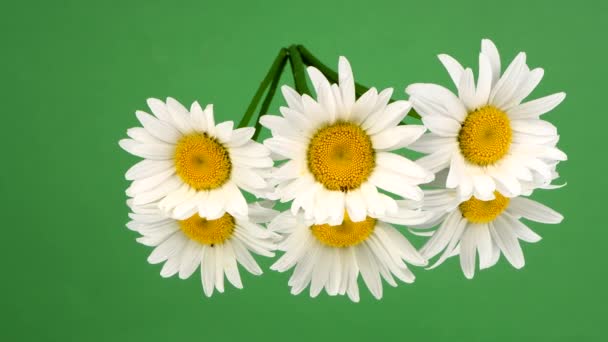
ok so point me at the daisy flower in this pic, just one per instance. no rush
(331, 257)
(485, 228)
(337, 150)
(191, 165)
(214, 245)
(485, 135)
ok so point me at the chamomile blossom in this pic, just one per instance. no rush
(215, 246)
(480, 228)
(331, 257)
(193, 165)
(337, 150)
(485, 135)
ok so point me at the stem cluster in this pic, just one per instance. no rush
(299, 58)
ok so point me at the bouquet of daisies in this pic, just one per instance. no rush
(335, 159)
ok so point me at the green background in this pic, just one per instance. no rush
(74, 72)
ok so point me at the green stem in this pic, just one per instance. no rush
(311, 60)
(268, 99)
(280, 59)
(298, 70)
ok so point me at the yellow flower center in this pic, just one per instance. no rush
(202, 162)
(341, 156)
(478, 211)
(347, 234)
(208, 232)
(485, 136)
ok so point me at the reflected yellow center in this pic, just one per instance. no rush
(208, 232)
(202, 162)
(485, 136)
(347, 234)
(341, 156)
(478, 211)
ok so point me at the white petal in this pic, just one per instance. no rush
(484, 82)
(507, 242)
(453, 247)
(505, 87)
(347, 82)
(292, 98)
(522, 231)
(285, 148)
(383, 99)
(453, 67)
(223, 131)
(230, 267)
(431, 142)
(467, 252)
(171, 267)
(364, 105)
(314, 111)
(244, 258)
(159, 109)
(157, 193)
(141, 135)
(436, 161)
(252, 162)
(353, 288)
(524, 89)
(320, 272)
(209, 118)
(148, 151)
(393, 114)
(191, 259)
(534, 126)
(456, 172)
(318, 79)
(484, 187)
(219, 268)
(180, 116)
(297, 119)
(433, 99)
(248, 178)
(381, 259)
(378, 110)
(393, 183)
(442, 236)
(397, 137)
(208, 270)
(215, 206)
(401, 165)
(484, 245)
(168, 248)
(145, 184)
(407, 251)
(251, 149)
(236, 204)
(466, 89)
(355, 205)
(335, 207)
(441, 125)
(241, 136)
(535, 108)
(158, 128)
(534, 211)
(506, 183)
(323, 90)
(199, 123)
(489, 49)
(369, 274)
(147, 168)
